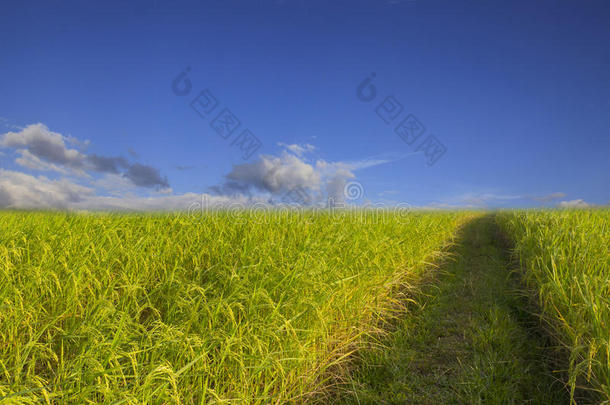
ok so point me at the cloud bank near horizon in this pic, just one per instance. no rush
(63, 175)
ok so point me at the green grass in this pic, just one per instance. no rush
(276, 307)
(565, 257)
(228, 307)
(469, 339)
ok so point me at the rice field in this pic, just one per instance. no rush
(222, 308)
(285, 307)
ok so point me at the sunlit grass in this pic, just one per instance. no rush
(566, 259)
(225, 307)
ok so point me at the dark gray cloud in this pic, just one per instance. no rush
(107, 164)
(146, 176)
(41, 149)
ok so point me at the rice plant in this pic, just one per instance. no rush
(566, 262)
(222, 308)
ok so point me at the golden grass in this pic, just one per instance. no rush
(223, 308)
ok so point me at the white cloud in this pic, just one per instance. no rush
(335, 185)
(27, 159)
(20, 190)
(278, 175)
(120, 184)
(578, 203)
(274, 175)
(192, 202)
(297, 149)
(375, 161)
(44, 150)
(44, 144)
(114, 184)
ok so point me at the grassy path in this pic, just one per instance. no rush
(470, 341)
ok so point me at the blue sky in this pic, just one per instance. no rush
(517, 94)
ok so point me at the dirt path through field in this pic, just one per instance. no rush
(471, 341)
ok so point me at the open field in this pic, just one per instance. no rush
(350, 307)
(170, 308)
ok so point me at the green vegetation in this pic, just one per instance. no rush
(273, 307)
(565, 256)
(227, 307)
(469, 340)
